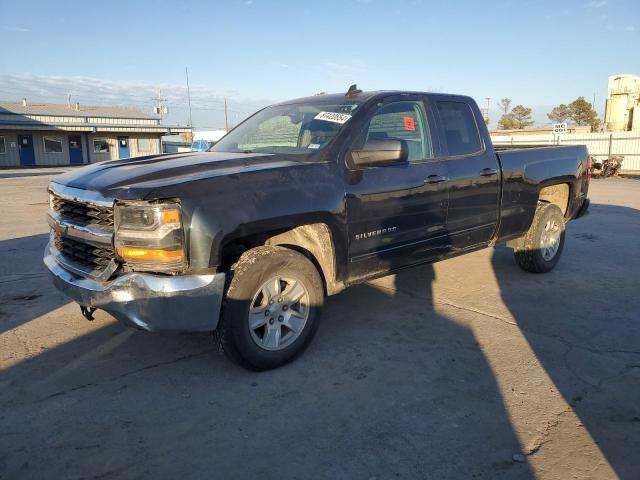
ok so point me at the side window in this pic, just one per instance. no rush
(460, 129)
(405, 121)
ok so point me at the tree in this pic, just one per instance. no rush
(578, 112)
(504, 105)
(518, 118)
(521, 116)
(507, 122)
(582, 113)
(559, 114)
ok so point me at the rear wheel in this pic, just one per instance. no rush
(540, 249)
(272, 307)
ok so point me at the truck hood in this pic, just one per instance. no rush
(137, 178)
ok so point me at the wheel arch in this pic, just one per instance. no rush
(316, 241)
(557, 194)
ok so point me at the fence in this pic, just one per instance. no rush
(600, 144)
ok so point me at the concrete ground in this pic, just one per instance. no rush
(471, 368)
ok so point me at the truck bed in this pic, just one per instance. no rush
(528, 168)
(520, 146)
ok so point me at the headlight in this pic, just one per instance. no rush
(149, 236)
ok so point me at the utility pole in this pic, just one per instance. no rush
(486, 116)
(186, 71)
(226, 118)
(160, 108)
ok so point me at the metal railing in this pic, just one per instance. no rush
(600, 144)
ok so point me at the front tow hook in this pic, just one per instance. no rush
(87, 312)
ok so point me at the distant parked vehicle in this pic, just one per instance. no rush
(200, 146)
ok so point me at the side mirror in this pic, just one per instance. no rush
(381, 152)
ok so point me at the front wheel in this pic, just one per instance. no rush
(272, 307)
(540, 249)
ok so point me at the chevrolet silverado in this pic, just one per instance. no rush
(299, 201)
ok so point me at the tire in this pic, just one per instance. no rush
(541, 247)
(264, 287)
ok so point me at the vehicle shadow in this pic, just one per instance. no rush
(584, 330)
(389, 388)
(25, 289)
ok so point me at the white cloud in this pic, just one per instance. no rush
(208, 101)
(598, 3)
(8, 28)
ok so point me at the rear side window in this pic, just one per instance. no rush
(460, 129)
(405, 121)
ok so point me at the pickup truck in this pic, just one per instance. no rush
(300, 201)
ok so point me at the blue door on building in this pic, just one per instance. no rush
(75, 150)
(123, 147)
(25, 146)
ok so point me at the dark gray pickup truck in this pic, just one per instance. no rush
(299, 201)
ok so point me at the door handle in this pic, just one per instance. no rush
(435, 179)
(488, 172)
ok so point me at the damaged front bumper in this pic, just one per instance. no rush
(187, 303)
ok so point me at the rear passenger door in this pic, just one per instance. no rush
(473, 173)
(396, 213)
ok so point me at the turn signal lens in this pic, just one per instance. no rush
(152, 255)
(170, 216)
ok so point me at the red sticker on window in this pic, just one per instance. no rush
(409, 124)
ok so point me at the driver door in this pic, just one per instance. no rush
(396, 213)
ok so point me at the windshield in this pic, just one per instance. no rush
(296, 129)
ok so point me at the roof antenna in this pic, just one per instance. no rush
(353, 91)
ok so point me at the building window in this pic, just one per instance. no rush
(144, 145)
(52, 144)
(3, 145)
(100, 145)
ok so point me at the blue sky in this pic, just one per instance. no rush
(257, 51)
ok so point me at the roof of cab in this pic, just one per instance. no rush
(333, 98)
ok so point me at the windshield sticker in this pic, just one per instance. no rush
(409, 124)
(333, 117)
(314, 146)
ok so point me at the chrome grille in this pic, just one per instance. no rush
(87, 256)
(84, 214)
(82, 231)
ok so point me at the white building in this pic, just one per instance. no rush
(41, 134)
(211, 136)
(623, 103)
